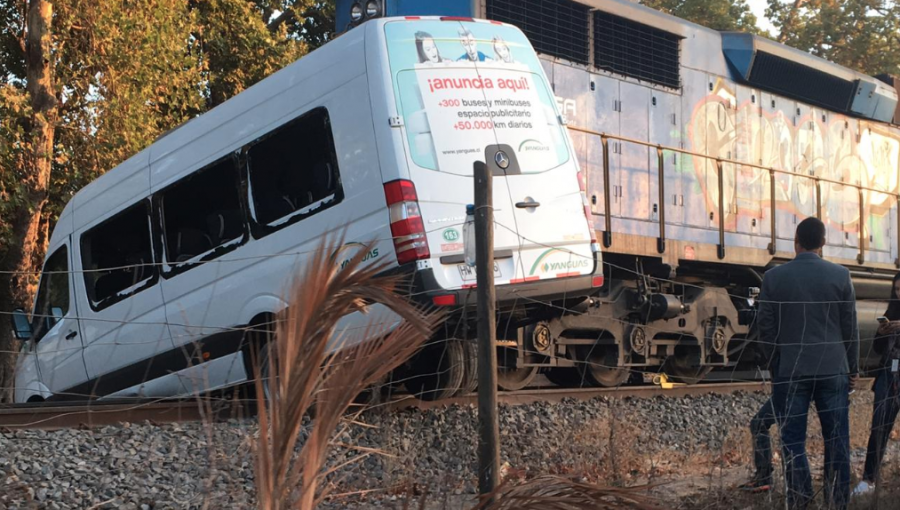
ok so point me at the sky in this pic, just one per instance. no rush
(759, 9)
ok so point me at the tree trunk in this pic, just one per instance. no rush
(18, 279)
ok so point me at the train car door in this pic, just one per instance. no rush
(576, 101)
(879, 152)
(604, 118)
(694, 110)
(751, 183)
(808, 152)
(851, 173)
(720, 143)
(665, 119)
(778, 153)
(839, 155)
(634, 179)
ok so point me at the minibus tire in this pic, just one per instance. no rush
(254, 342)
(470, 380)
(436, 372)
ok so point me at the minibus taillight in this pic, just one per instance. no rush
(582, 185)
(407, 227)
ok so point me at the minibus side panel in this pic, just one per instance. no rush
(391, 150)
(122, 340)
(218, 294)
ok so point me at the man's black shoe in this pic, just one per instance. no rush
(757, 484)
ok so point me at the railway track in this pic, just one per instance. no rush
(99, 413)
(47, 415)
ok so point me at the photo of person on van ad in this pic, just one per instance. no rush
(453, 108)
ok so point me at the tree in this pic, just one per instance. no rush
(245, 41)
(859, 34)
(89, 83)
(31, 193)
(99, 84)
(715, 14)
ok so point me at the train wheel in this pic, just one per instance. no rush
(685, 368)
(510, 376)
(437, 371)
(566, 377)
(598, 366)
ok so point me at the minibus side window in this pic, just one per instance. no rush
(117, 256)
(52, 302)
(201, 214)
(293, 171)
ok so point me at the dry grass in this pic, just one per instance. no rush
(312, 367)
(313, 364)
(560, 493)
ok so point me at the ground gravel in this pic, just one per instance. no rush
(145, 466)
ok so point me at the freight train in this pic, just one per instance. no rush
(702, 150)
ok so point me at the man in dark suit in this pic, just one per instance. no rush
(807, 321)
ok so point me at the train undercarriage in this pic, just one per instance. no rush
(684, 322)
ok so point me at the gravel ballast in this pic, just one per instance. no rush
(144, 466)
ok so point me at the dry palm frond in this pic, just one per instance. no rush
(559, 493)
(313, 363)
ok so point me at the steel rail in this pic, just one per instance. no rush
(99, 413)
(53, 415)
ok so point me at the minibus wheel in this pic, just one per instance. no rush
(437, 371)
(470, 380)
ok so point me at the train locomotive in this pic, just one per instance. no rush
(701, 151)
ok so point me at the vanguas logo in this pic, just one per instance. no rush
(550, 267)
(572, 262)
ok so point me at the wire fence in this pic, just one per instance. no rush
(449, 370)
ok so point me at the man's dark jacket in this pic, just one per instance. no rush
(807, 319)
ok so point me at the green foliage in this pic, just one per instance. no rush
(244, 41)
(715, 14)
(239, 48)
(13, 109)
(129, 70)
(859, 34)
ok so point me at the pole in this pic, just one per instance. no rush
(488, 425)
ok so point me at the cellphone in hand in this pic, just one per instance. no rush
(883, 320)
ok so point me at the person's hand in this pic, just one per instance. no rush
(893, 326)
(854, 381)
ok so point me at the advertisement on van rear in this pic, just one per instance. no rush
(462, 86)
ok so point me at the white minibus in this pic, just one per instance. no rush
(155, 269)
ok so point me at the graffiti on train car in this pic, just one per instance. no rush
(805, 141)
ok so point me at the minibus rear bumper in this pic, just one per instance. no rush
(526, 294)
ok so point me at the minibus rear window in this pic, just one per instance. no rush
(464, 85)
(117, 256)
(293, 171)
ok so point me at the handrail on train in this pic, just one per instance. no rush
(720, 162)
